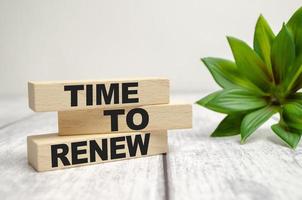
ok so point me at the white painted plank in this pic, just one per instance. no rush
(137, 178)
(200, 167)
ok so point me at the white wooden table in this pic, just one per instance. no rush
(197, 166)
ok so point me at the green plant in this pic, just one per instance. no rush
(261, 82)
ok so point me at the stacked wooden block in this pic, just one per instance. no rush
(102, 121)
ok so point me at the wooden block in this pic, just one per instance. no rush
(51, 152)
(76, 95)
(145, 118)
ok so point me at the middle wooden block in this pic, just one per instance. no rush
(144, 118)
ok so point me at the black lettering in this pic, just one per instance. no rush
(102, 152)
(114, 117)
(101, 91)
(143, 146)
(114, 147)
(89, 95)
(73, 93)
(130, 118)
(55, 155)
(75, 152)
(127, 92)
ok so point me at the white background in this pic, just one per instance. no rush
(60, 40)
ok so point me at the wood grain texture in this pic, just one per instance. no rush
(79, 150)
(161, 117)
(201, 167)
(198, 167)
(50, 96)
(140, 178)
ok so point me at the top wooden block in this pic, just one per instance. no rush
(79, 95)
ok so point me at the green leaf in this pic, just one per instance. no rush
(208, 98)
(295, 25)
(250, 64)
(226, 74)
(234, 101)
(294, 79)
(295, 98)
(223, 71)
(292, 115)
(290, 138)
(283, 54)
(254, 120)
(263, 39)
(229, 126)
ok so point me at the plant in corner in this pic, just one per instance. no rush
(261, 82)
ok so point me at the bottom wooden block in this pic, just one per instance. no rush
(51, 152)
